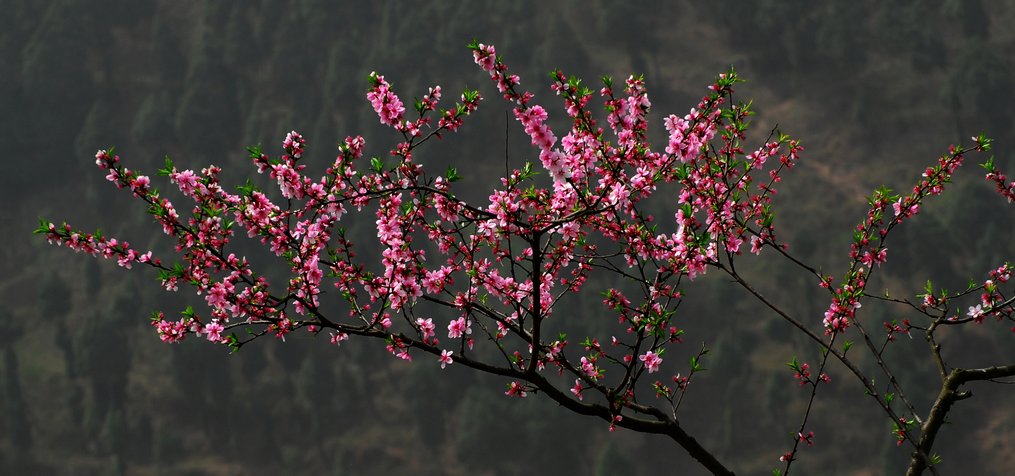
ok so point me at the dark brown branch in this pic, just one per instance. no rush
(949, 394)
(663, 425)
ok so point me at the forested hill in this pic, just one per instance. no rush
(875, 90)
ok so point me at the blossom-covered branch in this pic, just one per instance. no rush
(481, 284)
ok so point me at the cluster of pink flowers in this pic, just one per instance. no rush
(97, 245)
(868, 248)
(802, 373)
(992, 302)
(169, 331)
(386, 104)
(595, 189)
(503, 266)
(893, 328)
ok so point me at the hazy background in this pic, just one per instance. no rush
(876, 91)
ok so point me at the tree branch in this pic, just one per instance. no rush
(949, 395)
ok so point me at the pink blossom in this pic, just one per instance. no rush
(616, 419)
(516, 389)
(577, 388)
(485, 56)
(458, 327)
(445, 358)
(589, 367)
(213, 330)
(905, 211)
(338, 337)
(976, 312)
(186, 180)
(436, 280)
(651, 360)
(426, 326)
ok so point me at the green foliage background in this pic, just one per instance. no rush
(876, 90)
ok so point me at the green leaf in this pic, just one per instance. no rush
(989, 165)
(168, 169)
(527, 171)
(983, 142)
(374, 79)
(452, 174)
(255, 151)
(43, 227)
(246, 189)
(377, 164)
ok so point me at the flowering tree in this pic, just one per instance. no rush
(494, 275)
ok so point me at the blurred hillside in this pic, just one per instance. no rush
(876, 92)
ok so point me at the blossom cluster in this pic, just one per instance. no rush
(498, 268)
(869, 249)
(493, 272)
